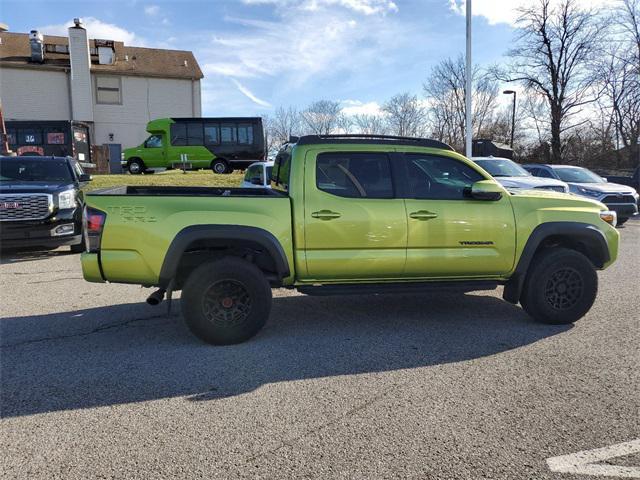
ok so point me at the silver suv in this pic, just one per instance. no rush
(513, 176)
(620, 198)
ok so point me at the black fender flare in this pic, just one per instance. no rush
(226, 233)
(585, 234)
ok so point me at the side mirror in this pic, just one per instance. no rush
(255, 180)
(85, 177)
(605, 179)
(489, 190)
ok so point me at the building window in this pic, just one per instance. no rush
(108, 90)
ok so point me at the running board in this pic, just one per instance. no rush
(402, 287)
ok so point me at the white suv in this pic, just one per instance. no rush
(513, 176)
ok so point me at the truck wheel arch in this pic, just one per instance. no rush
(221, 240)
(582, 237)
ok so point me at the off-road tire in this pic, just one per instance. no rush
(220, 166)
(226, 301)
(560, 287)
(135, 166)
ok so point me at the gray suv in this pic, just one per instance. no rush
(620, 198)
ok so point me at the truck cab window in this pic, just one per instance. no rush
(354, 175)
(439, 178)
(154, 141)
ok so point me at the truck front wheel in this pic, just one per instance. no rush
(560, 287)
(135, 166)
(226, 301)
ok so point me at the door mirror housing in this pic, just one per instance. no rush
(489, 190)
(85, 177)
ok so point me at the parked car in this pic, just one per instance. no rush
(350, 214)
(512, 175)
(620, 198)
(630, 181)
(221, 144)
(258, 175)
(41, 202)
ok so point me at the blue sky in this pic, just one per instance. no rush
(259, 54)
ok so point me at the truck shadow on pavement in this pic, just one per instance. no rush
(134, 353)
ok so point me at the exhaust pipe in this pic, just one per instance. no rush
(156, 297)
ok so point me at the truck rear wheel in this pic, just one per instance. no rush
(220, 166)
(560, 288)
(226, 301)
(135, 166)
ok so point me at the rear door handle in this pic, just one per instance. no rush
(326, 215)
(423, 215)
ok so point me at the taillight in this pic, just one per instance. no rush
(93, 223)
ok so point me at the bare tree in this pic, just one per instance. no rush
(619, 72)
(370, 124)
(445, 90)
(405, 115)
(554, 50)
(284, 124)
(321, 117)
(344, 123)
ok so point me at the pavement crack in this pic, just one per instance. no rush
(349, 413)
(55, 280)
(99, 329)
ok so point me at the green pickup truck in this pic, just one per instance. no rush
(349, 214)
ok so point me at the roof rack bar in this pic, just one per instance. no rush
(371, 139)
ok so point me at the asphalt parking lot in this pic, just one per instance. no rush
(96, 384)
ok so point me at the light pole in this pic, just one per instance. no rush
(468, 106)
(513, 113)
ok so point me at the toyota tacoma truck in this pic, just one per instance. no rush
(350, 214)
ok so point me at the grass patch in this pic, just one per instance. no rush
(171, 178)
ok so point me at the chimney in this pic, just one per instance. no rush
(81, 91)
(36, 41)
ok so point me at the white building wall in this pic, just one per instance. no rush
(143, 99)
(29, 94)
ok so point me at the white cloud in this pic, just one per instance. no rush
(366, 7)
(152, 10)
(356, 107)
(284, 49)
(249, 94)
(96, 29)
(506, 11)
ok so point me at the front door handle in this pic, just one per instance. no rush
(326, 215)
(423, 215)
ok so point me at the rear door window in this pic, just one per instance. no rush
(354, 175)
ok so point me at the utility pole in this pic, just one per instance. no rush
(469, 126)
(513, 113)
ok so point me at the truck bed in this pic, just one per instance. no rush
(189, 192)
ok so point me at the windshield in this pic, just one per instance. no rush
(577, 175)
(44, 170)
(503, 168)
